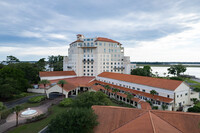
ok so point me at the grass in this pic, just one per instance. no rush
(198, 104)
(196, 86)
(35, 127)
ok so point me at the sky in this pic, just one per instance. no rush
(150, 30)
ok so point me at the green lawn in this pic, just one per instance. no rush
(198, 104)
(197, 86)
(35, 127)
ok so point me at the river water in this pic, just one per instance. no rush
(194, 71)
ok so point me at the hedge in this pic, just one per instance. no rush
(36, 99)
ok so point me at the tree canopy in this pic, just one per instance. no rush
(87, 99)
(177, 69)
(56, 62)
(145, 71)
(75, 120)
(12, 81)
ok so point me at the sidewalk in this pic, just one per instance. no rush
(11, 119)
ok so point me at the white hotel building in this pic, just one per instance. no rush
(92, 56)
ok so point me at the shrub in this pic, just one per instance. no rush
(5, 113)
(36, 99)
(23, 94)
(194, 109)
(155, 107)
(177, 78)
(75, 120)
(88, 99)
(66, 102)
(37, 118)
(2, 106)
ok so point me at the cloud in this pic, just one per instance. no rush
(149, 28)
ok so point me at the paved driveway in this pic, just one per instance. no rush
(12, 104)
(11, 119)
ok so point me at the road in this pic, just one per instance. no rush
(12, 104)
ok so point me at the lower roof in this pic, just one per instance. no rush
(130, 120)
(148, 81)
(56, 73)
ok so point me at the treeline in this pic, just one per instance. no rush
(16, 76)
(175, 70)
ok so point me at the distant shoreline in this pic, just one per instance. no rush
(157, 65)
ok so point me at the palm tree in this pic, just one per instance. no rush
(115, 91)
(107, 87)
(156, 74)
(153, 92)
(62, 82)
(44, 82)
(17, 109)
(129, 96)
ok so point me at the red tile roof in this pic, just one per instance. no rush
(73, 83)
(77, 81)
(57, 73)
(136, 92)
(145, 105)
(102, 39)
(148, 81)
(130, 120)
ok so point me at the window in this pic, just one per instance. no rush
(168, 96)
(181, 95)
(177, 96)
(138, 89)
(143, 90)
(186, 94)
(133, 88)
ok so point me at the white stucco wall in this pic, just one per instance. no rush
(36, 90)
(56, 88)
(182, 95)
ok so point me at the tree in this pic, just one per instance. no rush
(115, 91)
(164, 74)
(195, 109)
(75, 120)
(62, 83)
(44, 82)
(129, 96)
(31, 72)
(17, 110)
(107, 87)
(195, 100)
(41, 64)
(156, 74)
(153, 92)
(177, 69)
(12, 81)
(164, 106)
(88, 99)
(145, 71)
(55, 62)
(11, 59)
